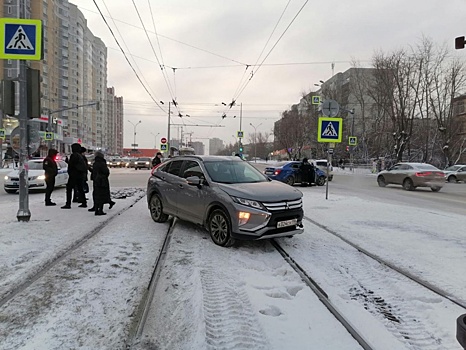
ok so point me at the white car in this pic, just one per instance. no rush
(455, 173)
(322, 165)
(36, 175)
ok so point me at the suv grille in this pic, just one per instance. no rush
(285, 205)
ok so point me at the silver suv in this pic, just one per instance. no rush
(227, 196)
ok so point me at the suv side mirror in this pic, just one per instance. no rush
(194, 181)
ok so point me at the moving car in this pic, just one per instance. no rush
(143, 163)
(36, 176)
(289, 173)
(455, 173)
(412, 175)
(227, 196)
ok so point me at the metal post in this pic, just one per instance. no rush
(49, 127)
(240, 143)
(168, 131)
(352, 147)
(1, 139)
(23, 212)
(329, 161)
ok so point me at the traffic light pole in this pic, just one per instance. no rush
(50, 112)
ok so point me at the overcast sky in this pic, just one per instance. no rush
(212, 42)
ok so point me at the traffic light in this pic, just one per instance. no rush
(347, 148)
(8, 97)
(33, 93)
(240, 149)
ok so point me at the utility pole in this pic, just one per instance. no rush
(240, 144)
(168, 132)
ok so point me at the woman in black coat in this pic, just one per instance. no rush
(99, 177)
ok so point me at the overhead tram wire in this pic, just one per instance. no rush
(160, 48)
(175, 40)
(127, 48)
(126, 57)
(270, 51)
(237, 94)
(263, 49)
(156, 57)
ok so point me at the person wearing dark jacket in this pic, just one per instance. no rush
(76, 170)
(51, 171)
(101, 185)
(84, 183)
(157, 159)
(307, 173)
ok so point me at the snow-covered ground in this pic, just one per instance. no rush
(244, 297)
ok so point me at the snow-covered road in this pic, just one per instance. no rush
(245, 297)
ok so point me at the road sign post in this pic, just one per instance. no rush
(21, 39)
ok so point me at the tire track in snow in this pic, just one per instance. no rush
(230, 321)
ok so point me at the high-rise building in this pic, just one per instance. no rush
(73, 75)
(114, 122)
(198, 147)
(215, 145)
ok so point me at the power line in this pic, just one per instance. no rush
(155, 54)
(263, 49)
(270, 51)
(126, 57)
(127, 48)
(175, 40)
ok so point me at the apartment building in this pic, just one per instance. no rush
(73, 76)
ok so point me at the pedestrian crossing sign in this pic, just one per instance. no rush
(330, 129)
(352, 140)
(163, 147)
(20, 39)
(240, 134)
(316, 100)
(48, 136)
(2, 134)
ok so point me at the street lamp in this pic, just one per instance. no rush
(155, 139)
(255, 143)
(134, 126)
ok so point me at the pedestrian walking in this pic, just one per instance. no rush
(76, 170)
(51, 171)
(157, 159)
(101, 185)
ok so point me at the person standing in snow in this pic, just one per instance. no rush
(76, 170)
(51, 171)
(99, 177)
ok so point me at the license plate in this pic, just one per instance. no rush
(268, 172)
(286, 223)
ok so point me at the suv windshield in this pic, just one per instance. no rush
(233, 172)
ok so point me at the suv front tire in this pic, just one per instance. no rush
(219, 228)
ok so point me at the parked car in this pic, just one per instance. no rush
(412, 175)
(455, 173)
(143, 163)
(289, 173)
(227, 196)
(36, 176)
(322, 165)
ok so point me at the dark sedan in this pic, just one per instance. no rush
(290, 173)
(226, 195)
(412, 175)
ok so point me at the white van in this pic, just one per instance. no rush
(322, 165)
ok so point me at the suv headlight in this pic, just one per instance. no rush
(248, 202)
